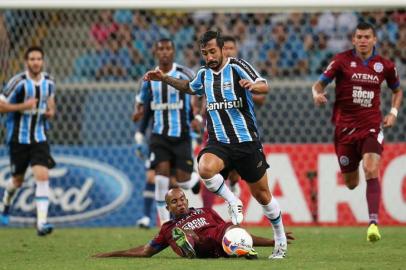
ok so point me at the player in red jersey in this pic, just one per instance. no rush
(358, 74)
(193, 232)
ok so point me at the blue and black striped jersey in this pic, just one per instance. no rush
(230, 108)
(171, 109)
(28, 126)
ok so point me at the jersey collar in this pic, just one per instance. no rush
(366, 61)
(35, 82)
(174, 66)
(221, 70)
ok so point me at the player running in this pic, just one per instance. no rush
(359, 74)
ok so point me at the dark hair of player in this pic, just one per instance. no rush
(163, 40)
(229, 38)
(33, 49)
(365, 26)
(209, 35)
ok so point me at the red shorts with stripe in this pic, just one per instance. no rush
(352, 143)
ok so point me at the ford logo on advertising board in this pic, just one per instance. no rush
(80, 189)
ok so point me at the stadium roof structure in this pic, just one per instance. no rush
(226, 5)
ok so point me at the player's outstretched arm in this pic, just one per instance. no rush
(10, 107)
(259, 87)
(319, 95)
(158, 75)
(140, 251)
(390, 118)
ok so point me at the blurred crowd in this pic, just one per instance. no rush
(119, 43)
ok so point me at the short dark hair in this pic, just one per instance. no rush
(165, 40)
(33, 49)
(209, 35)
(229, 38)
(365, 26)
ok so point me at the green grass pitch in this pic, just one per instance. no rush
(314, 248)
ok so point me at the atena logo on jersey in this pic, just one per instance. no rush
(80, 189)
(364, 77)
(167, 106)
(224, 105)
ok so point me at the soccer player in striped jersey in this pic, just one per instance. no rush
(233, 141)
(230, 49)
(28, 100)
(357, 116)
(170, 142)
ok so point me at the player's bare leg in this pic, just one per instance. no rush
(351, 179)
(11, 188)
(233, 178)
(210, 167)
(371, 162)
(260, 191)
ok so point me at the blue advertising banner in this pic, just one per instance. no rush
(90, 186)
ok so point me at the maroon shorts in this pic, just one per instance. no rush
(352, 143)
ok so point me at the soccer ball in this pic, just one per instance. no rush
(237, 242)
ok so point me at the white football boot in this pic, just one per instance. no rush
(235, 212)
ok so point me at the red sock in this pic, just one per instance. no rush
(373, 199)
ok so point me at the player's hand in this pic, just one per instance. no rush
(154, 75)
(49, 113)
(30, 104)
(246, 84)
(389, 121)
(137, 116)
(320, 99)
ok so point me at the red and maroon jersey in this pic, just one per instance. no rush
(208, 226)
(358, 88)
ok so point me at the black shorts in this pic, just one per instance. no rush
(178, 151)
(246, 158)
(23, 155)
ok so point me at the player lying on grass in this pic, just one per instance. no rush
(193, 232)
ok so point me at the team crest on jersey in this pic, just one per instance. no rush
(227, 85)
(378, 67)
(344, 160)
(353, 64)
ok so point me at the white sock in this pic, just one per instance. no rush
(273, 212)
(217, 185)
(161, 188)
(194, 179)
(42, 200)
(9, 192)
